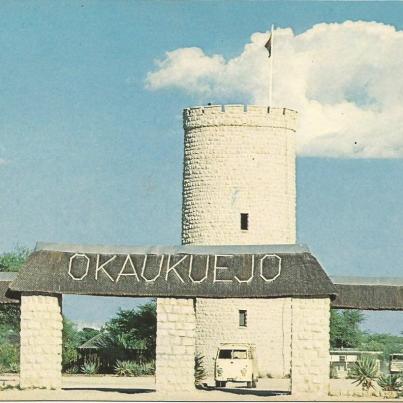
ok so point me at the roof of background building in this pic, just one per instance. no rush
(6, 295)
(350, 351)
(93, 343)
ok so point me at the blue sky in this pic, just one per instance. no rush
(88, 154)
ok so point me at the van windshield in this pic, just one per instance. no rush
(239, 354)
(225, 354)
(233, 354)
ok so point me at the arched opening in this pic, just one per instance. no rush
(108, 343)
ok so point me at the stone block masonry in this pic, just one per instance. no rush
(239, 160)
(268, 328)
(310, 347)
(41, 341)
(175, 352)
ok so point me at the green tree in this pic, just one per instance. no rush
(132, 330)
(10, 314)
(345, 329)
(384, 342)
(14, 260)
(70, 342)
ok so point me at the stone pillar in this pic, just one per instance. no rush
(175, 352)
(310, 345)
(41, 341)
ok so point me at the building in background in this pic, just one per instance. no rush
(342, 360)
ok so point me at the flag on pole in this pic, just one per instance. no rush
(268, 44)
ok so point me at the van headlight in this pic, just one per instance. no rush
(243, 371)
(219, 371)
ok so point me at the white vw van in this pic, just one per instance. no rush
(236, 362)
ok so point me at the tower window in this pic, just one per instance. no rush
(242, 318)
(244, 221)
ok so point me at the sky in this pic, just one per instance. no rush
(91, 138)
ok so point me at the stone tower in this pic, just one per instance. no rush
(239, 189)
(239, 176)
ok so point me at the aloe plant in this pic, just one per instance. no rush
(200, 372)
(365, 372)
(131, 368)
(90, 368)
(390, 383)
(126, 368)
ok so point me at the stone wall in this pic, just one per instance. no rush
(310, 347)
(175, 353)
(239, 160)
(268, 327)
(41, 341)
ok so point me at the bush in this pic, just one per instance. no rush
(90, 367)
(131, 368)
(14, 367)
(74, 369)
(365, 372)
(9, 357)
(390, 383)
(70, 354)
(200, 372)
(148, 368)
(125, 368)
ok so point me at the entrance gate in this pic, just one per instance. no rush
(177, 276)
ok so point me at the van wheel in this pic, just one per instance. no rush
(220, 384)
(253, 384)
(249, 385)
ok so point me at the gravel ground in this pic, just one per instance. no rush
(113, 388)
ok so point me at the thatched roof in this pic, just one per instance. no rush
(54, 268)
(47, 270)
(92, 343)
(6, 296)
(368, 293)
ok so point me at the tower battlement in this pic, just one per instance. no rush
(239, 171)
(239, 115)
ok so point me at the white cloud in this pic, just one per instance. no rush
(4, 161)
(346, 80)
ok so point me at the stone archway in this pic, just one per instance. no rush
(41, 342)
(176, 276)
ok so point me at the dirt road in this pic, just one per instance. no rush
(143, 389)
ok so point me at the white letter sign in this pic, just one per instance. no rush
(79, 255)
(102, 267)
(278, 263)
(216, 280)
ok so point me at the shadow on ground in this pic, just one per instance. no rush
(245, 391)
(112, 389)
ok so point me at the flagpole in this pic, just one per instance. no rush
(271, 69)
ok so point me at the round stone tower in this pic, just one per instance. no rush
(239, 175)
(239, 189)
